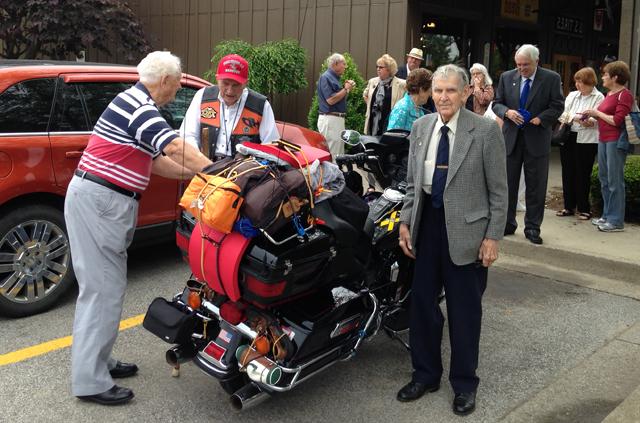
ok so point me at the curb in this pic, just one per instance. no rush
(573, 260)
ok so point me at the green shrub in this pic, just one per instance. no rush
(356, 107)
(632, 189)
(275, 67)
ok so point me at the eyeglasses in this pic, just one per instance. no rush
(380, 67)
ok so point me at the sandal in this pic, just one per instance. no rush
(564, 213)
(584, 216)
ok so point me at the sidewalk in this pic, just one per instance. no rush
(576, 252)
(574, 246)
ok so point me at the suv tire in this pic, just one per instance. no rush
(35, 260)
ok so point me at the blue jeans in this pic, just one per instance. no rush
(611, 173)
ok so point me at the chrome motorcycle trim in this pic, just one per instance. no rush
(393, 195)
(244, 329)
(374, 314)
(273, 241)
(206, 363)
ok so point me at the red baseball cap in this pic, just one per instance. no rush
(233, 66)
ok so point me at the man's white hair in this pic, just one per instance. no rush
(158, 64)
(445, 71)
(335, 58)
(480, 68)
(530, 51)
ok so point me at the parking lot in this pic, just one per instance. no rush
(538, 336)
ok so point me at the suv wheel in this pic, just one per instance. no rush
(35, 260)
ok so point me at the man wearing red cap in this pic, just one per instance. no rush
(224, 115)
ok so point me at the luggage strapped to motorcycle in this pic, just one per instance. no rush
(232, 175)
(290, 149)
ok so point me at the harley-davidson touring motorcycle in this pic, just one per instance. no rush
(300, 303)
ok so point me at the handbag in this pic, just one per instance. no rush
(560, 134)
(632, 124)
(169, 323)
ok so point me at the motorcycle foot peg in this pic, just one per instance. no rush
(175, 372)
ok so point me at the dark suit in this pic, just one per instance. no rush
(402, 72)
(446, 247)
(530, 145)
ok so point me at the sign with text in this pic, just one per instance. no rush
(572, 25)
(521, 10)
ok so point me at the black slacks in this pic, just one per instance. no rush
(463, 286)
(536, 174)
(577, 164)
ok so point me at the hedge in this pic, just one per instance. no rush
(632, 189)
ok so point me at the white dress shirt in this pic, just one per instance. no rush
(229, 116)
(523, 79)
(432, 151)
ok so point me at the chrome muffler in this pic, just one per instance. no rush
(248, 396)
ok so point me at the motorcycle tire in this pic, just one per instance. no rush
(234, 383)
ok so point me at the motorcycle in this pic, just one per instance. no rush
(298, 304)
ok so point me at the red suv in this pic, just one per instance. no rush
(47, 111)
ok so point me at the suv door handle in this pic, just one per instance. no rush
(73, 154)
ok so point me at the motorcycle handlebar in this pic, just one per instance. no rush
(358, 158)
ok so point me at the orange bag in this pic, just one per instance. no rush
(213, 200)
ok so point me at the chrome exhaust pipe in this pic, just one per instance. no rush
(180, 354)
(248, 396)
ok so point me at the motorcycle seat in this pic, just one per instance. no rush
(345, 234)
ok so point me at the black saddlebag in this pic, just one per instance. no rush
(168, 322)
(272, 273)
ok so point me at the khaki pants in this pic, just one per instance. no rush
(331, 127)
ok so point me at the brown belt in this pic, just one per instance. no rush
(334, 114)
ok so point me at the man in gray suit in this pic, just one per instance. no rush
(453, 217)
(529, 99)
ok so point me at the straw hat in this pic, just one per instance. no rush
(416, 53)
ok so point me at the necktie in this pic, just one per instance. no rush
(525, 93)
(440, 172)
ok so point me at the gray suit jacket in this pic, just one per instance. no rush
(545, 101)
(475, 195)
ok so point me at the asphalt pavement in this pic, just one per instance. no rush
(539, 335)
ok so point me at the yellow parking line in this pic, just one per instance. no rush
(57, 344)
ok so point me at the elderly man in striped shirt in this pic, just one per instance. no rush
(130, 141)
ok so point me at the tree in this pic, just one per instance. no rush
(275, 67)
(356, 107)
(52, 29)
(438, 50)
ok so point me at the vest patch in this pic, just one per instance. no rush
(208, 113)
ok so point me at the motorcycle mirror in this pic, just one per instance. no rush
(350, 137)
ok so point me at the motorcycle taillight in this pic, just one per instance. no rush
(263, 288)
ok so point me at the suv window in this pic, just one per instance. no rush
(174, 112)
(98, 95)
(26, 106)
(68, 114)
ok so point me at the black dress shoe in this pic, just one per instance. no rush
(464, 403)
(414, 390)
(123, 370)
(533, 236)
(509, 229)
(115, 395)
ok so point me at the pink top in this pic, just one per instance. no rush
(618, 105)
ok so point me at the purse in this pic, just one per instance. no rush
(632, 124)
(560, 134)
(169, 323)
